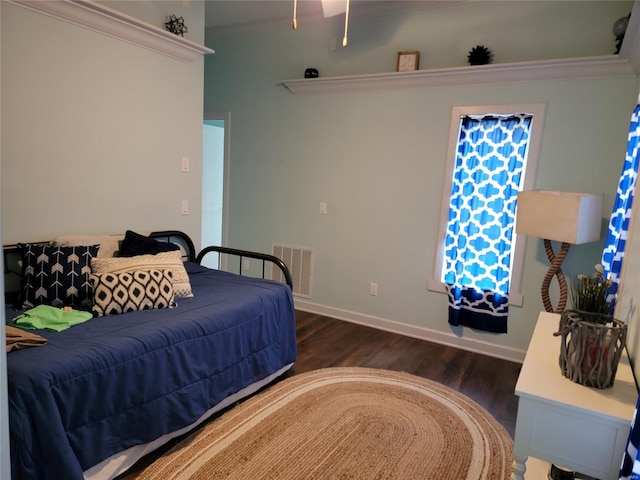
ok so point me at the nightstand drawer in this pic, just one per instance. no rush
(575, 440)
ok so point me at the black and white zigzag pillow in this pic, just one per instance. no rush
(115, 293)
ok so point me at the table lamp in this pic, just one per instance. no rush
(567, 217)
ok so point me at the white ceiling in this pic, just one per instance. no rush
(247, 13)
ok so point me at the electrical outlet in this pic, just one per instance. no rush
(373, 289)
(246, 264)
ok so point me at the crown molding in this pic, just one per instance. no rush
(589, 67)
(99, 18)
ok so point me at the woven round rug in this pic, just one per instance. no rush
(345, 423)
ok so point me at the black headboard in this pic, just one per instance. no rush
(188, 249)
(179, 238)
(13, 268)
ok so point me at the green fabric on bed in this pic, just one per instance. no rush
(45, 317)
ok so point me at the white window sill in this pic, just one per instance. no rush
(515, 299)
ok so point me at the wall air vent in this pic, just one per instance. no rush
(299, 260)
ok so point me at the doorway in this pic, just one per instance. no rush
(215, 155)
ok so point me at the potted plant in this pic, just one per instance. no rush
(590, 294)
(591, 339)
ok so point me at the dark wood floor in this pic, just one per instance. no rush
(326, 342)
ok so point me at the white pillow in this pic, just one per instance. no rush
(160, 261)
(109, 244)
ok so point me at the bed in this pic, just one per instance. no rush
(102, 394)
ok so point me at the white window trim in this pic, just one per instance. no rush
(538, 110)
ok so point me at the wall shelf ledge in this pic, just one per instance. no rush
(606, 66)
(97, 17)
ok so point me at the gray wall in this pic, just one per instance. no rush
(98, 130)
(5, 466)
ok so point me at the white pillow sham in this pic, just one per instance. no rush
(109, 244)
(160, 261)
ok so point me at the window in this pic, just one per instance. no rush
(492, 155)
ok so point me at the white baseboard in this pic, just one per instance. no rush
(478, 346)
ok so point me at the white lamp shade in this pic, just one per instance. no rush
(562, 216)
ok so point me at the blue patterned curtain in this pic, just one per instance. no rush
(630, 468)
(488, 174)
(613, 252)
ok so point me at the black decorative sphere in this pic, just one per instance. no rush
(176, 25)
(480, 55)
(311, 73)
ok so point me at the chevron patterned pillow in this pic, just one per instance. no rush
(115, 293)
(56, 276)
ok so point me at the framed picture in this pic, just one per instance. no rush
(408, 61)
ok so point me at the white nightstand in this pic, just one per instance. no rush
(566, 423)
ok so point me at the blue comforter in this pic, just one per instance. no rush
(122, 380)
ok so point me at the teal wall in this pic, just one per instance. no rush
(377, 157)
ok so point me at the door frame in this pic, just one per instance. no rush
(226, 117)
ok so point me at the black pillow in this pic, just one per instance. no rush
(56, 276)
(135, 244)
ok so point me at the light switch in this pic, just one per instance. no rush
(185, 164)
(185, 207)
(323, 208)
